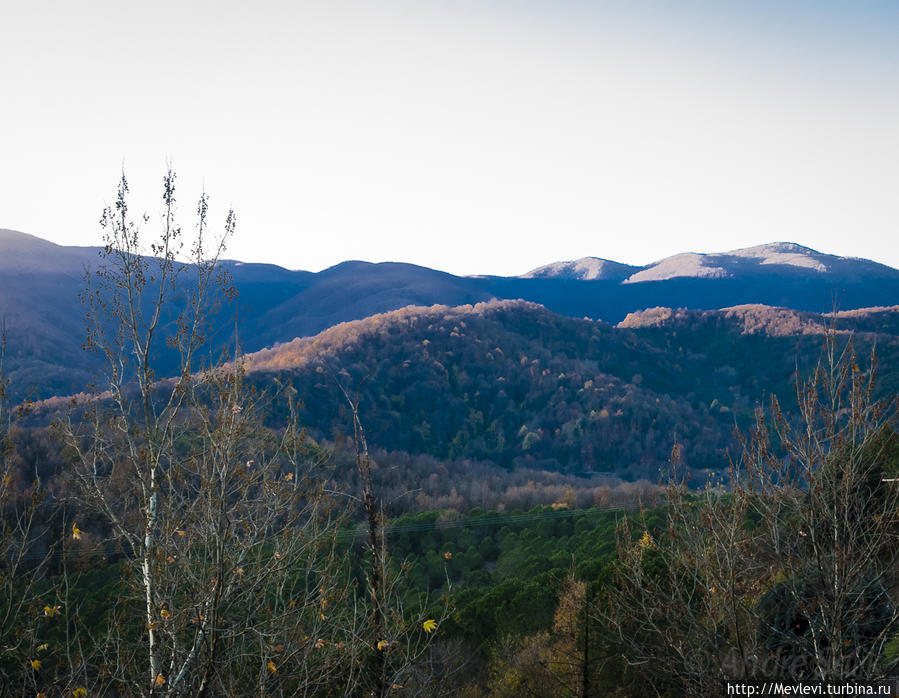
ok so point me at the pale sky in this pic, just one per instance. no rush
(473, 136)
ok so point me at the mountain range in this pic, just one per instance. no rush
(781, 258)
(40, 284)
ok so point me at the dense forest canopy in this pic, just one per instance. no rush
(520, 386)
(478, 500)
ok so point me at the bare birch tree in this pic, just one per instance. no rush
(226, 532)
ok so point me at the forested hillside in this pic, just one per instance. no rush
(41, 284)
(478, 500)
(515, 384)
(517, 561)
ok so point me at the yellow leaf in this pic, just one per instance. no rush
(382, 645)
(76, 532)
(271, 667)
(288, 477)
(239, 571)
(429, 625)
(51, 611)
(165, 614)
(159, 680)
(79, 692)
(152, 626)
(179, 532)
(42, 648)
(36, 664)
(322, 616)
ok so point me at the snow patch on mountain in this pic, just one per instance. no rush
(787, 253)
(584, 269)
(687, 264)
(734, 263)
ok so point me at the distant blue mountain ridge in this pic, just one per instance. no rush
(40, 284)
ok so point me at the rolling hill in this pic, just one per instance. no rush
(513, 383)
(40, 284)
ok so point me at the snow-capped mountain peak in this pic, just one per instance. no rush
(739, 262)
(771, 258)
(699, 266)
(583, 269)
(788, 253)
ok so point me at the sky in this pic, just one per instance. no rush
(472, 136)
